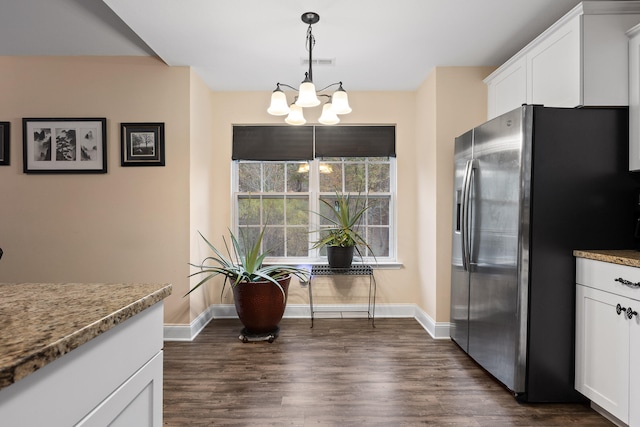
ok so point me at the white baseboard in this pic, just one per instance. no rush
(302, 311)
(189, 332)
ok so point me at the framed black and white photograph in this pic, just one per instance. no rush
(142, 144)
(65, 145)
(4, 143)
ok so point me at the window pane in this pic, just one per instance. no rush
(248, 211)
(297, 211)
(273, 210)
(249, 177)
(326, 211)
(273, 177)
(273, 241)
(378, 212)
(283, 201)
(246, 237)
(354, 178)
(298, 177)
(379, 241)
(379, 177)
(331, 181)
(297, 241)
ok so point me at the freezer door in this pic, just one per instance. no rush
(459, 325)
(494, 321)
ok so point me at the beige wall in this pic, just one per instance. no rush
(128, 225)
(450, 101)
(202, 177)
(394, 286)
(140, 224)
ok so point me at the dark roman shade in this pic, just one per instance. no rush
(285, 143)
(272, 143)
(356, 141)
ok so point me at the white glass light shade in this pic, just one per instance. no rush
(340, 102)
(328, 116)
(279, 106)
(307, 95)
(295, 117)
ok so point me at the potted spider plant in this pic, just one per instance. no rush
(342, 236)
(259, 291)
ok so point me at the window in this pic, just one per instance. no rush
(284, 194)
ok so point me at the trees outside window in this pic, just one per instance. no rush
(282, 195)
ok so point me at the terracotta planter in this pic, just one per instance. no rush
(260, 305)
(339, 257)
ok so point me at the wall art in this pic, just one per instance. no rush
(4, 143)
(65, 145)
(142, 144)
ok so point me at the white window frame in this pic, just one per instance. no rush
(314, 194)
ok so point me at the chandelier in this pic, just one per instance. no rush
(337, 103)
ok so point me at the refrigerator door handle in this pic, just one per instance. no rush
(464, 229)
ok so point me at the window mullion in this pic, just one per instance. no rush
(314, 204)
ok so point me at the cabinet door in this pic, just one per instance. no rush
(634, 367)
(554, 68)
(634, 101)
(137, 402)
(602, 350)
(508, 89)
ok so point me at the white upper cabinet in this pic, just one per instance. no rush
(509, 89)
(634, 98)
(581, 60)
(553, 66)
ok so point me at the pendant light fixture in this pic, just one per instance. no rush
(337, 103)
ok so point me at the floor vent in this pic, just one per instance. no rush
(321, 61)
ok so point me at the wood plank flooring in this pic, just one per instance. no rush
(342, 372)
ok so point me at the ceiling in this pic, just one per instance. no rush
(245, 45)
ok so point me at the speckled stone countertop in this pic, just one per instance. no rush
(40, 322)
(628, 257)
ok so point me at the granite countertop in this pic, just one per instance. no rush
(40, 322)
(628, 257)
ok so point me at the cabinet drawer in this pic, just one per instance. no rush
(603, 275)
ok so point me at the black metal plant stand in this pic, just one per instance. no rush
(354, 270)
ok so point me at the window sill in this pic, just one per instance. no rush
(380, 265)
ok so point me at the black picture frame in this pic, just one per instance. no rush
(64, 145)
(142, 144)
(5, 143)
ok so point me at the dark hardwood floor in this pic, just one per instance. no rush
(342, 372)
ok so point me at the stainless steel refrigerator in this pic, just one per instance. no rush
(530, 187)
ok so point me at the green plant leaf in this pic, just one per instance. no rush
(244, 266)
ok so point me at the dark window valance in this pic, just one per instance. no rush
(296, 143)
(272, 143)
(356, 141)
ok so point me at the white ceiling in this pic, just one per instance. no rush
(252, 44)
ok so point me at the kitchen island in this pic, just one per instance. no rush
(81, 353)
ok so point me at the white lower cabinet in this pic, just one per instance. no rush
(608, 338)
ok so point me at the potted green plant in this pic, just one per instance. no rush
(341, 236)
(259, 291)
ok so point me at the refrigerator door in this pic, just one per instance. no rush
(494, 315)
(459, 317)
